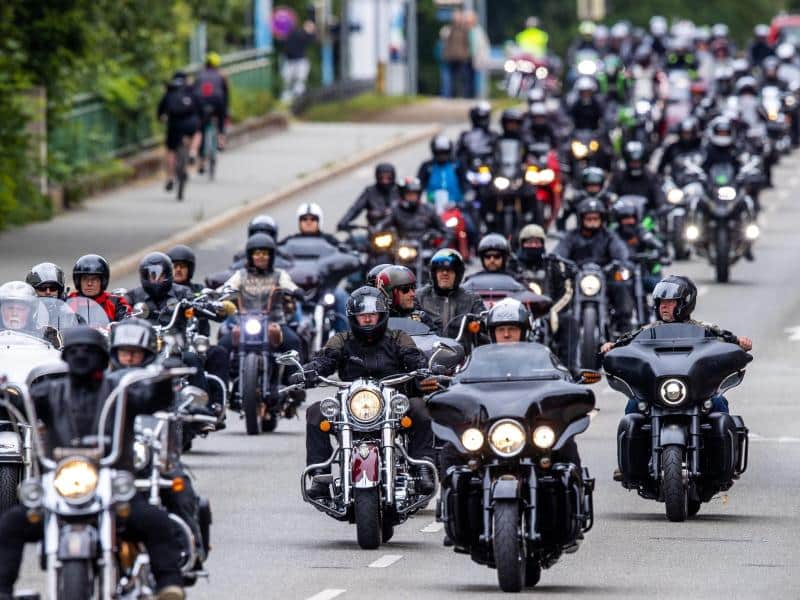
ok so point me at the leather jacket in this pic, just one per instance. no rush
(446, 307)
(602, 248)
(376, 201)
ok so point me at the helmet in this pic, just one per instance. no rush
(441, 148)
(635, 155)
(155, 274)
(600, 35)
(624, 208)
(384, 169)
(19, 292)
(658, 25)
(134, 333)
(310, 208)
(785, 51)
(91, 264)
(46, 272)
(719, 30)
(531, 256)
(746, 85)
(372, 275)
(689, 129)
(680, 288)
(591, 205)
(480, 115)
(536, 94)
(493, 242)
(761, 31)
(393, 277)
(592, 176)
(770, 66)
(260, 241)
(511, 121)
(741, 67)
(213, 60)
(584, 83)
(184, 254)
(620, 30)
(643, 55)
(721, 132)
(410, 184)
(702, 35)
(85, 351)
(508, 311)
(539, 113)
(178, 80)
(263, 224)
(366, 300)
(586, 29)
(447, 258)
(531, 231)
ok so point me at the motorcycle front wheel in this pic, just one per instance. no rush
(251, 393)
(75, 580)
(675, 496)
(509, 558)
(723, 249)
(589, 339)
(9, 480)
(368, 517)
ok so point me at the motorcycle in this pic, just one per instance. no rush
(586, 149)
(777, 120)
(543, 173)
(721, 224)
(77, 493)
(678, 189)
(523, 72)
(512, 503)
(675, 450)
(511, 203)
(374, 487)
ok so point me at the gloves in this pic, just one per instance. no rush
(309, 378)
(428, 385)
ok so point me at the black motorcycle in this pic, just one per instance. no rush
(511, 203)
(674, 449)
(513, 500)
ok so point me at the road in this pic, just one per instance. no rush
(268, 544)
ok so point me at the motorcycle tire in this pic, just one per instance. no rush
(9, 480)
(590, 342)
(675, 496)
(367, 503)
(533, 572)
(251, 392)
(75, 580)
(723, 249)
(387, 528)
(679, 245)
(509, 556)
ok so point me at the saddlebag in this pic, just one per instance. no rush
(633, 447)
(560, 505)
(461, 507)
(721, 445)
(742, 444)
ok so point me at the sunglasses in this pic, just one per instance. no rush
(493, 256)
(404, 289)
(308, 218)
(260, 252)
(49, 287)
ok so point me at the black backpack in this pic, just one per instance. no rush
(181, 103)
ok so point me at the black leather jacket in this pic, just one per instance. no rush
(602, 248)
(160, 312)
(414, 223)
(375, 201)
(444, 308)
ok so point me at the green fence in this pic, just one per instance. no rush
(89, 131)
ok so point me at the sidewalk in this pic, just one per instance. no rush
(123, 221)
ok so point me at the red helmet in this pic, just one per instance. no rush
(391, 279)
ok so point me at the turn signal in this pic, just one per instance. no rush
(545, 462)
(589, 376)
(123, 510)
(178, 485)
(406, 422)
(189, 313)
(325, 426)
(34, 516)
(474, 326)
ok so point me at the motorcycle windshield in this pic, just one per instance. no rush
(306, 275)
(679, 87)
(410, 326)
(675, 350)
(87, 312)
(522, 380)
(509, 155)
(491, 282)
(307, 247)
(721, 174)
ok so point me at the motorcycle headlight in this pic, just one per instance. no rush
(692, 233)
(590, 285)
(532, 175)
(790, 101)
(507, 438)
(535, 287)
(329, 408)
(141, 455)
(123, 486)
(673, 392)
(726, 193)
(252, 326)
(501, 183)
(772, 115)
(642, 107)
(510, 66)
(579, 149)
(544, 436)
(383, 240)
(587, 67)
(400, 404)
(31, 493)
(752, 231)
(524, 66)
(329, 299)
(594, 145)
(75, 480)
(472, 439)
(546, 177)
(542, 72)
(675, 195)
(365, 405)
(407, 253)
(452, 222)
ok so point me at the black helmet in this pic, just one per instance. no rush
(91, 264)
(746, 85)
(263, 224)
(447, 258)
(385, 169)
(155, 274)
(494, 242)
(260, 241)
(635, 155)
(134, 333)
(508, 311)
(624, 208)
(680, 288)
(689, 129)
(372, 275)
(85, 351)
(511, 121)
(184, 254)
(480, 115)
(591, 205)
(46, 272)
(592, 176)
(441, 148)
(366, 300)
(393, 277)
(410, 184)
(720, 132)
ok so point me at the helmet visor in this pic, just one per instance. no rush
(154, 273)
(367, 305)
(667, 290)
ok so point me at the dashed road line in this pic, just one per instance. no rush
(784, 439)
(327, 594)
(432, 527)
(386, 560)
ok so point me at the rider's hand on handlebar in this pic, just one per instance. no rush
(745, 344)
(606, 347)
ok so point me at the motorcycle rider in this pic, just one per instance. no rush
(19, 311)
(591, 241)
(639, 240)
(688, 141)
(494, 253)
(587, 110)
(770, 74)
(635, 178)
(48, 280)
(69, 408)
(478, 141)
(512, 123)
(368, 350)
(759, 48)
(412, 218)
(90, 275)
(675, 298)
(377, 199)
(211, 90)
(399, 285)
(443, 298)
(442, 172)
(592, 182)
(540, 131)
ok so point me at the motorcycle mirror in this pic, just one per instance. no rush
(120, 291)
(206, 291)
(288, 359)
(193, 396)
(589, 376)
(140, 309)
(446, 356)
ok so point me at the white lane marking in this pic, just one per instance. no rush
(793, 333)
(784, 439)
(432, 527)
(702, 290)
(326, 594)
(385, 561)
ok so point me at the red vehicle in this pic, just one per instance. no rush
(453, 219)
(543, 172)
(784, 28)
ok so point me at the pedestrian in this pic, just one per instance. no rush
(445, 84)
(479, 50)
(296, 66)
(457, 55)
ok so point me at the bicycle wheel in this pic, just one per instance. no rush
(181, 161)
(210, 151)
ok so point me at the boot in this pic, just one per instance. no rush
(320, 489)
(171, 592)
(426, 484)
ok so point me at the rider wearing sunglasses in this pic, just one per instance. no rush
(399, 285)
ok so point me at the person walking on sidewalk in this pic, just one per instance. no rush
(456, 54)
(296, 66)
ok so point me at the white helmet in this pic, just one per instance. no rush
(19, 292)
(310, 208)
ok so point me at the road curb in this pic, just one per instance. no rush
(130, 263)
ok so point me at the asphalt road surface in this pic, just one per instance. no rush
(268, 544)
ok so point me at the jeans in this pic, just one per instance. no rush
(719, 404)
(340, 324)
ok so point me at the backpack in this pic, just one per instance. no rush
(180, 103)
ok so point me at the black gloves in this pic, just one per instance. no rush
(309, 378)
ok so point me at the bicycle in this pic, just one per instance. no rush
(210, 143)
